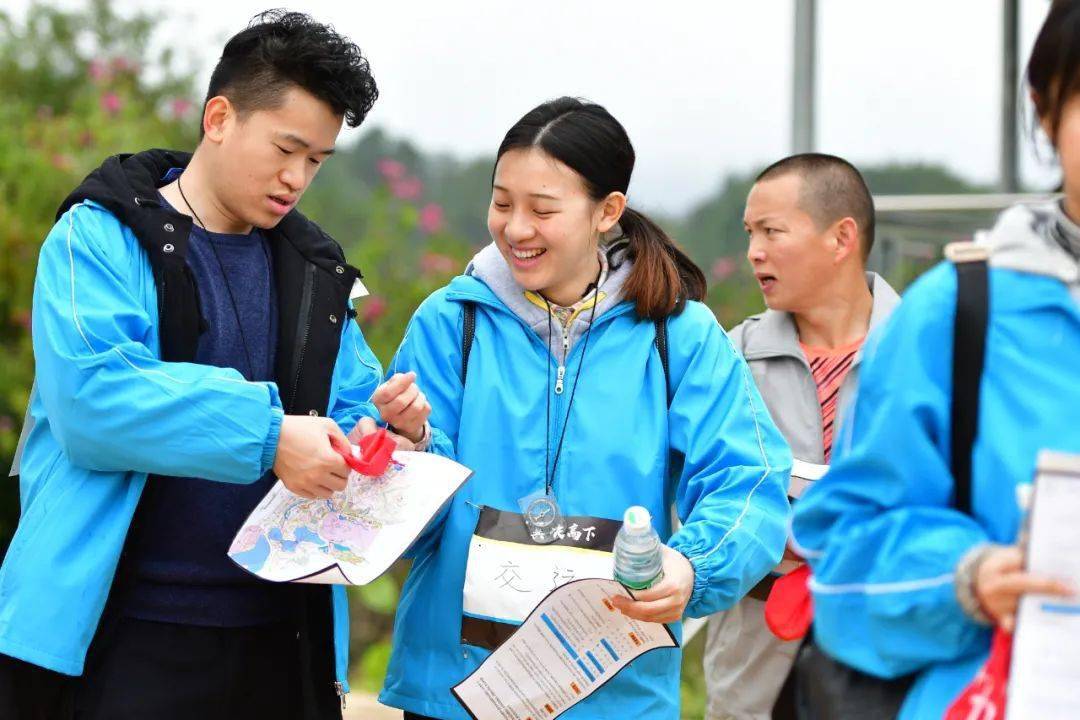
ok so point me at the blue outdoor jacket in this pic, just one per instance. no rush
(107, 412)
(879, 529)
(714, 454)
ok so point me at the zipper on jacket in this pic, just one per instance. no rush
(556, 430)
(562, 366)
(301, 338)
(340, 690)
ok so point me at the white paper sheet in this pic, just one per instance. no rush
(1045, 673)
(355, 535)
(505, 581)
(568, 648)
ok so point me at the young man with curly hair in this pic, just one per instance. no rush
(193, 341)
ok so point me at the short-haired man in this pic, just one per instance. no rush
(193, 340)
(810, 221)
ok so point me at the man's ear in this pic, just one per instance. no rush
(611, 209)
(216, 115)
(846, 243)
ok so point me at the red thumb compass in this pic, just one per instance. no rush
(375, 452)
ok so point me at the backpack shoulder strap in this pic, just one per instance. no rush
(468, 330)
(661, 348)
(969, 350)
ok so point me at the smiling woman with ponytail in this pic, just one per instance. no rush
(546, 364)
(585, 138)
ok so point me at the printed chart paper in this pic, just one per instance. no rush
(568, 648)
(1045, 672)
(355, 535)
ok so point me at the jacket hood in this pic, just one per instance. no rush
(127, 185)
(1035, 238)
(490, 268)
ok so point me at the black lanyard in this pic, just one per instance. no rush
(549, 477)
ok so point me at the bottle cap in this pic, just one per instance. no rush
(637, 518)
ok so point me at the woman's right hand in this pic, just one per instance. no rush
(1001, 579)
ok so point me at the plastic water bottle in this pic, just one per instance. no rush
(638, 562)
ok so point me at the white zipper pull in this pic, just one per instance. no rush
(340, 690)
(558, 380)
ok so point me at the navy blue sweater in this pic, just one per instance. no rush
(177, 569)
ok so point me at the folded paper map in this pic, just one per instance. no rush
(355, 535)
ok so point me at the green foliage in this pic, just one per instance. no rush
(74, 91)
(374, 660)
(380, 595)
(692, 692)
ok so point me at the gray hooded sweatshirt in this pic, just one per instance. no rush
(490, 267)
(1039, 239)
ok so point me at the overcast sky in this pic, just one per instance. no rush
(704, 88)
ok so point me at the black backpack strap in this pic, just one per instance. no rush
(468, 330)
(661, 347)
(969, 350)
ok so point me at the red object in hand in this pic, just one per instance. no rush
(790, 609)
(375, 452)
(984, 697)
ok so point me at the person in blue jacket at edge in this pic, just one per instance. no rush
(193, 340)
(564, 404)
(904, 582)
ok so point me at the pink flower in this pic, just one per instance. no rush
(437, 264)
(123, 65)
(111, 103)
(6, 423)
(21, 318)
(431, 218)
(374, 308)
(61, 161)
(391, 169)
(180, 107)
(98, 70)
(409, 188)
(44, 112)
(723, 268)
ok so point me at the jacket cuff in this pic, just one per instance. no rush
(270, 446)
(701, 580)
(424, 443)
(964, 583)
(701, 585)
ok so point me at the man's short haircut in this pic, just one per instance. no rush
(832, 189)
(280, 50)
